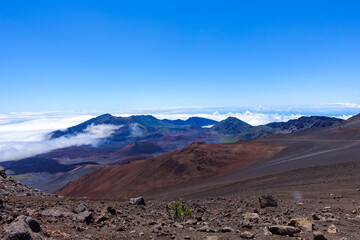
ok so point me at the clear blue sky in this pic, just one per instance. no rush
(109, 55)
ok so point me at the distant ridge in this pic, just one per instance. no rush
(146, 121)
(193, 121)
(230, 126)
(240, 131)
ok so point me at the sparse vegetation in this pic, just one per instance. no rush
(178, 211)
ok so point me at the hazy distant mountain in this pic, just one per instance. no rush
(213, 165)
(37, 164)
(230, 126)
(193, 121)
(240, 131)
(146, 121)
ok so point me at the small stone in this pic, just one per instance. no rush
(121, 229)
(226, 229)
(211, 238)
(332, 229)
(205, 228)
(283, 230)
(319, 236)
(101, 218)
(247, 235)
(80, 208)
(178, 225)
(268, 201)
(315, 216)
(111, 210)
(302, 223)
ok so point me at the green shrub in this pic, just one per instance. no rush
(178, 211)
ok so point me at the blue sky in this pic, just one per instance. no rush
(110, 56)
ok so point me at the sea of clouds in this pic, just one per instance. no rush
(25, 134)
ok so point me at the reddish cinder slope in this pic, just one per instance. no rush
(184, 167)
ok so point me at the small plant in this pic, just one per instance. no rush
(68, 201)
(178, 211)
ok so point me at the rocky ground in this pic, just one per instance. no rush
(27, 213)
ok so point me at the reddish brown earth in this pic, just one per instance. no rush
(181, 168)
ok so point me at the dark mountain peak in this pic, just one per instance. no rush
(231, 125)
(192, 121)
(307, 122)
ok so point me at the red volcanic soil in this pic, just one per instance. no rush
(201, 166)
(194, 163)
(134, 158)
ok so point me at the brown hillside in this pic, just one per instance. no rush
(192, 164)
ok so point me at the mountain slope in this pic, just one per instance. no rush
(290, 126)
(206, 166)
(230, 126)
(194, 163)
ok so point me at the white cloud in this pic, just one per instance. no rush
(22, 149)
(346, 105)
(22, 133)
(253, 118)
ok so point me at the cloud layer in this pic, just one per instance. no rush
(21, 149)
(23, 134)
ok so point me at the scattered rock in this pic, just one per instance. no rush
(2, 172)
(226, 229)
(205, 228)
(268, 201)
(247, 235)
(302, 223)
(86, 217)
(332, 229)
(121, 229)
(137, 201)
(319, 236)
(283, 230)
(23, 228)
(81, 208)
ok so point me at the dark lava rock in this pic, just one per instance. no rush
(111, 210)
(283, 230)
(86, 217)
(319, 236)
(268, 201)
(137, 201)
(33, 224)
(21, 229)
(2, 172)
(121, 229)
(81, 208)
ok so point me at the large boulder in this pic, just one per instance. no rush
(85, 217)
(268, 201)
(137, 201)
(2, 172)
(23, 228)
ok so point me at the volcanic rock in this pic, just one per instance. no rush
(302, 223)
(86, 217)
(247, 235)
(283, 230)
(2, 172)
(319, 236)
(332, 229)
(137, 201)
(268, 201)
(23, 228)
